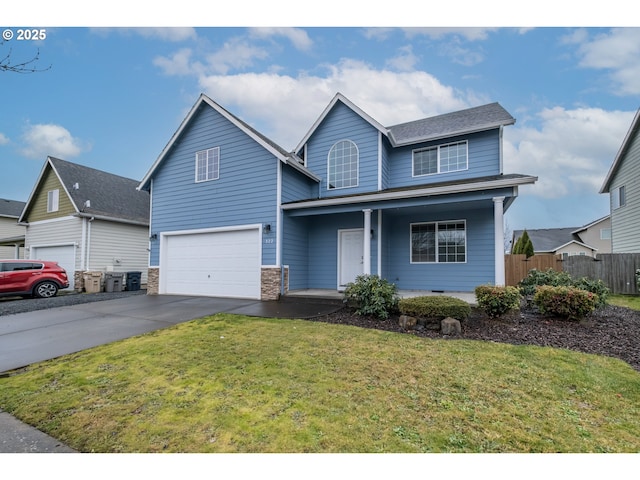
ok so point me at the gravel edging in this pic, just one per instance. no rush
(13, 305)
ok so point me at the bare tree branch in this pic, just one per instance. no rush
(28, 66)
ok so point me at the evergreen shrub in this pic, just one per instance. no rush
(372, 295)
(495, 301)
(562, 301)
(436, 306)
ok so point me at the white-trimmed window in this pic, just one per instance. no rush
(208, 164)
(451, 157)
(439, 242)
(53, 200)
(618, 197)
(342, 165)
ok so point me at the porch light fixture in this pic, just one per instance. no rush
(266, 229)
(154, 236)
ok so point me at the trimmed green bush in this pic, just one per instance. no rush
(372, 295)
(568, 302)
(550, 277)
(536, 278)
(436, 306)
(594, 286)
(496, 301)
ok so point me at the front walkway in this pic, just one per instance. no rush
(468, 297)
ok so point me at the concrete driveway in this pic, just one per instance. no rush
(26, 338)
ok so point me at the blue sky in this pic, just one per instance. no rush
(113, 97)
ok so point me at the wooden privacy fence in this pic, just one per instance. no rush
(516, 267)
(616, 270)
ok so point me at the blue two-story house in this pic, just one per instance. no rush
(420, 204)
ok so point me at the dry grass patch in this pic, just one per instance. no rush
(232, 383)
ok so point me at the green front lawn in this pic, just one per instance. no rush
(232, 383)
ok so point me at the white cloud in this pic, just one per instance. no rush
(179, 63)
(169, 34)
(284, 107)
(571, 152)
(3, 139)
(618, 51)
(468, 33)
(298, 37)
(41, 140)
(405, 60)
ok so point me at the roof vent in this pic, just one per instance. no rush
(87, 204)
(76, 186)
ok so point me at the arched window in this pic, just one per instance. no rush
(343, 165)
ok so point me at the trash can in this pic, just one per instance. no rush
(133, 280)
(113, 282)
(92, 282)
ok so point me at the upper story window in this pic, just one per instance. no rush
(53, 200)
(208, 164)
(342, 165)
(440, 159)
(618, 197)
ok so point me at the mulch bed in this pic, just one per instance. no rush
(612, 331)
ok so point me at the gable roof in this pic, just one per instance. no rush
(11, 208)
(94, 193)
(277, 151)
(470, 120)
(631, 134)
(338, 97)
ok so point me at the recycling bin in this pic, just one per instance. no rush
(113, 282)
(133, 280)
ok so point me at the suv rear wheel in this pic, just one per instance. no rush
(45, 290)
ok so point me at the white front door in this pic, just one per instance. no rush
(350, 256)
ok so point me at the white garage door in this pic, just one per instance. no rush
(65, 255)
(217, 264)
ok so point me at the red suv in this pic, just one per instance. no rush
(37, 278)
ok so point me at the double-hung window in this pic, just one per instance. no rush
(451, 157)
(208, 164)
(342, 165)
(618, 197)
(53, 200)
(439, 242)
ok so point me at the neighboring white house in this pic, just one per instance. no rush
(87, 220)
(622, 183)
(11, 234)
(590, 239)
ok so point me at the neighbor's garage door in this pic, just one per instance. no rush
(217, 264)
(65, 255)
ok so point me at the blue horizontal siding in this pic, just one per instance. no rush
(483, 160)
(245, 192)
(478, 269)
(342, 123)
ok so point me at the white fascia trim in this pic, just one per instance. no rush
(230, 228)
(52, 220)
(428, 191)
(111, 219)
(278, 213)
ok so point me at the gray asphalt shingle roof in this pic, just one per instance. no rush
(549, 239)
(11, 208)
(461, 122)
(107, 194)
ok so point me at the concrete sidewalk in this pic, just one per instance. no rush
(18, 437)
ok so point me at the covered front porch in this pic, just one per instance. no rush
(424, 243)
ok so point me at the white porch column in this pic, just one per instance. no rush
(498, 219)
(367, 242)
